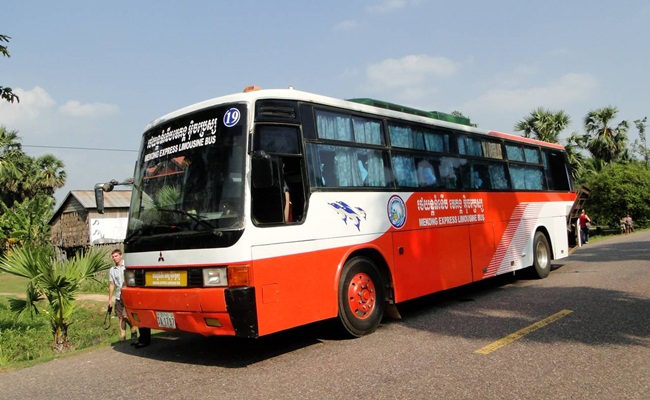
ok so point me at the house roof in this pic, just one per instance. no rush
(114, 199)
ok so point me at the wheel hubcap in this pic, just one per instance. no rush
(361, 295)
(542, 255)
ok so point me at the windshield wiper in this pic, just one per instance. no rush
(148, 229)
(192, 216)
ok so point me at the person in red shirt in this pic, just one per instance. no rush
(585, 223)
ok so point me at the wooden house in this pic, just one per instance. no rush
(76, 225)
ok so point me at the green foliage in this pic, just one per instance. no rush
(56, 282)
(26, 223)
(24, 341)
(604, 141)
(27, 186)
(5, 92)
(617, 190)
(640, 145)
(543, 124)
(97, 284)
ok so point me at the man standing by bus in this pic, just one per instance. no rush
(116, 281)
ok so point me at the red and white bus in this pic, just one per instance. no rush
(269, 209)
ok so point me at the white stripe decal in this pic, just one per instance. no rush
(513, 242)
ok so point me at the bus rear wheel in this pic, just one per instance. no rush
(541, 256)
(361, 297)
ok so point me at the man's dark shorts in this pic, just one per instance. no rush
(120, 310)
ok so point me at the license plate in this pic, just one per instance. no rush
(166, 278)
(166, 319)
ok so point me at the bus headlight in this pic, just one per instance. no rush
(215, 277)
(129, 277)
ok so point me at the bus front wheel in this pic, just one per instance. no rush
(541, 256)
(361, 297)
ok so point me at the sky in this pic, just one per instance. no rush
(91, 76)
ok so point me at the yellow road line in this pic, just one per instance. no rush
(521, 333)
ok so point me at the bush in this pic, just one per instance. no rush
(25, 341)
(618, 190)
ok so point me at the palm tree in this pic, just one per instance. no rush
(22, 176)
(604, 142)
(52, 280)
(50, 174)
(10, 150)
(576, 159)
(543, 124)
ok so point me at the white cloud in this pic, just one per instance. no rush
(74, 108)
(388, 6)
(501, 108)
(410, 79)
(347, 25)
(33, 104)
(37, 114)
(409, 72)
(561, 92)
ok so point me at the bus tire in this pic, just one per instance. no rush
(541, 256)
(361, 297)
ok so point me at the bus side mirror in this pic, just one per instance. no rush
(99, 197)
(100, 188)
(262, 173)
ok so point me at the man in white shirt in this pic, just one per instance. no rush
(116, 281)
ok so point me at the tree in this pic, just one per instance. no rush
(26, 223)
(543, 124)
(579, 163)
(55, 281)
(10, 151)
(603, 141)
(49, 173)
(617, 190)
(640, 145)
(27, 186)
(6, 93)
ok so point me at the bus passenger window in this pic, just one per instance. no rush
(450, 171)
(498, 179)
(426, 174)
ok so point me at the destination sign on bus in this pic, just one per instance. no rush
(170, 141)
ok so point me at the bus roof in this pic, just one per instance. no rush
(365, 105)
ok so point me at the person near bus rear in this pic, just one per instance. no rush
(585, 223)
(116, 281)
(145, 338)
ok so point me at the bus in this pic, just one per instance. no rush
(265, 210)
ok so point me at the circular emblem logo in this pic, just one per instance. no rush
(396, 211)
(231, 117)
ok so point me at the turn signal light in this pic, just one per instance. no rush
(238, 275)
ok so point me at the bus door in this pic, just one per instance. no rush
(430, 260)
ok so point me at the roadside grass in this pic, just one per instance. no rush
(12, 283)
(26, 341)
(17, 284)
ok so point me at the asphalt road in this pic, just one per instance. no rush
(582, 333)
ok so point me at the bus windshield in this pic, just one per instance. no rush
(190, 177)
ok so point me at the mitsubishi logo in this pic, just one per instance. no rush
(161, 258)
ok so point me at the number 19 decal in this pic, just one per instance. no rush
(231, 117)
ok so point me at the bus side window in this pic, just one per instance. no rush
(426, 174)
(498, 178)
(327, 173)
(450, 171)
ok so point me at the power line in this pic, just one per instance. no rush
(79, 148)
